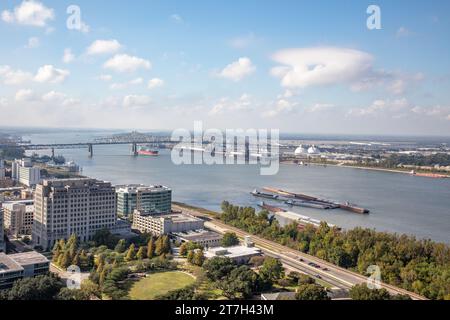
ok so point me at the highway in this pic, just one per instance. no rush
(329, 272)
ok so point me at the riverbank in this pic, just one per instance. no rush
(403, 171)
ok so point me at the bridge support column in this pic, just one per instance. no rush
(53, 153)
(134, 149)
(247, 150)
(90, 150)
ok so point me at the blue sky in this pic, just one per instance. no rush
(300, 66)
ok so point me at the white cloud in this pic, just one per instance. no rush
(103, 47)
(135, 101)
(282, 106)
(68, 56)
(50, 74)
(238, 70)
(30, 13)
(3, 102)
(403, 32)
(119, 86)
(84, 28)
(14, 77)
(307, 67)
(33, 42)
(176, 18)
(155, 83)
(125, 63)
(105, 77)
(228, 105)
(25, 95)
(53, 96)
(381, 106)
(442, 112)
(320, 107)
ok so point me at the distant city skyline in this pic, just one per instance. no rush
(297, 66)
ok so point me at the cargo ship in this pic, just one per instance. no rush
(144, 151)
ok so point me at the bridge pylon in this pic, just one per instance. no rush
(134, 149)
(90, 150)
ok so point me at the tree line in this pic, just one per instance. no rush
(420, 266)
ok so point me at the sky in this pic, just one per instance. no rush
(297, 66)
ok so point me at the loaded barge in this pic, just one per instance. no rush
(303, 200)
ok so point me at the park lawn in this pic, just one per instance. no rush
(159, 283)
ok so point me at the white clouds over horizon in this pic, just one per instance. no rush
(123, 63)
(99, 47)
(238, 70)
(29, 13)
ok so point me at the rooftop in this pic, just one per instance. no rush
(8, 265)
(27, 258)
(175, 217)
(198, 235)
(232, 252)
(140, 187)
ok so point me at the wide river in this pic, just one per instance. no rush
(398, 202)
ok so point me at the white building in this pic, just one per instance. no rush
(159, 224)
(80, 206)
(24, 172)
(205, 238)
(18, 217)
(240, 254)
(2, 232)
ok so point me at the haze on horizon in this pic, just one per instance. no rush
(310, 67)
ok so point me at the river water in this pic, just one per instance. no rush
(397, 202)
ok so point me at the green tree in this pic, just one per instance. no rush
(218, 268)
(131, 253)
(362, 292)
(42, 287)
(190, 256)
(151, 248)
(272, 269)
(311, 292)
(159, 246)
(121, 246)
(142, 253)
(199, 258)
(230, 239)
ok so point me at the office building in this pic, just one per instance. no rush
(159, 224)
(24, 172)
(21, 265)
(80, 206)
(2, 170)
(18, 217)
(2, 231)
(156, 199)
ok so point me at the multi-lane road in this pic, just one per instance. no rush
(318, 268)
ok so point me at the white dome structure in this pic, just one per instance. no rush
(313, 150)
(299, 151)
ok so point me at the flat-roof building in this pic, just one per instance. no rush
(18, 217)
(80, 206)
(240, 254)
(24, 172)
(205, 238)
(20, 265)
(2, 231)
(156, 199)
(159, 224)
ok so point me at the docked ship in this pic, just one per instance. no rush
(145, 151)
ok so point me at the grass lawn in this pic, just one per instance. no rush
(159, 283)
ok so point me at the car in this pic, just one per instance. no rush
(326, 269)
(318, 276)
(311, 264)
(301, 260)
(317, 266)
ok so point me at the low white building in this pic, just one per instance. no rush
(205, 238)
(240, 254)
(20, 265)
(159, 224)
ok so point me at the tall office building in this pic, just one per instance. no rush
(18, 217)
(2, 230)
(2, 170)
(24, 172)
(66, 206)
(154, 199)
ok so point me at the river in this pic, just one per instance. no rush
(397, 202)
